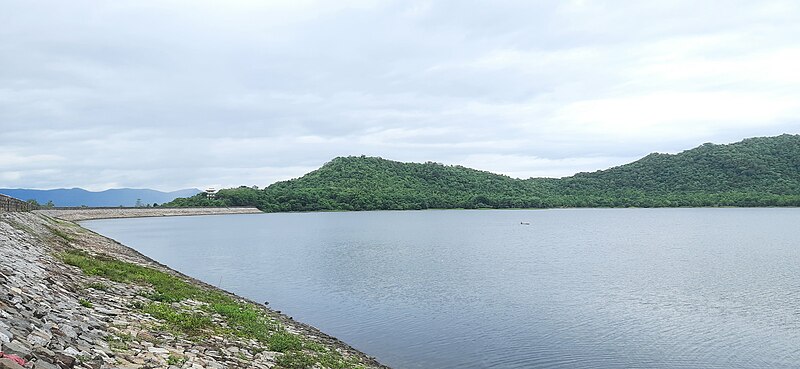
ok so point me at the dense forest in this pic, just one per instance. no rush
(762, 171)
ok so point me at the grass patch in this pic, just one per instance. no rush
(335, 360)
(61, 234)
(85, 303)
(119, 342)
(243, 319)
(316, 347)
(187, 322)
(295, 360)
(284, 342)
(328, 358)
(168, 288)
(175, 360)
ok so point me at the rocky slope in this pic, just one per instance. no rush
(56, 315)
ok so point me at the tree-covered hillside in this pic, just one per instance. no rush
(368, 183)
(763, 171)
(754, 172)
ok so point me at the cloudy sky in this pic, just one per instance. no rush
(176, 94)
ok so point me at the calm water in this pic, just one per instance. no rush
(625, 288)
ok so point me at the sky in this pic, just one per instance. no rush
(180, 94)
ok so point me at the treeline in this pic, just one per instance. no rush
(754, 172)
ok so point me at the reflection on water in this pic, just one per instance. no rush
(592, 288)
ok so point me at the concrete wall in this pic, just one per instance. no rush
(8, 203)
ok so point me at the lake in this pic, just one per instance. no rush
(576, 288)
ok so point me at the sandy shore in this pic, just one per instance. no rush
(55, 315)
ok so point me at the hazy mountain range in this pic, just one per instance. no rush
(112, 197)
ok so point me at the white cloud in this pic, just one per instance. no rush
(174, 94)
(12, 160)
(676, 113)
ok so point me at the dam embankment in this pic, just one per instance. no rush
(71, 298)
(79, 214)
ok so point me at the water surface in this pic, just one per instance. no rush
(591, 288)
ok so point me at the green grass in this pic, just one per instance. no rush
(242, 319)
(295, 360)
(61, 234)
(85, 303)
(175, 360)
(167, 287)
(285, 342)
(187, 322)
(119, 342)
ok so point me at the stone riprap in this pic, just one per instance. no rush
(55, 316)
(106, 213)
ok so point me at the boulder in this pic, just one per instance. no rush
(41, 364)
(9, 364)
(17, 348)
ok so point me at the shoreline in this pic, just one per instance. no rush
(81, 214)
(56, 315)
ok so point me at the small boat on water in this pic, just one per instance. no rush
(525, 223)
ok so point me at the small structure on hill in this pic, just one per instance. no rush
(211, 192)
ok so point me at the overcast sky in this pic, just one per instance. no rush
(177, 94)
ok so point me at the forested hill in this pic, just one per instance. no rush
(762, 171)
(754, 172)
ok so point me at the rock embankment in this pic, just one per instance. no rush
(87, 214)
(54, 314)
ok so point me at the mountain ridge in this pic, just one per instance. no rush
(69, 197)
(760, 171)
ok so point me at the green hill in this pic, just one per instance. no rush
(763, 171)
(755, 172)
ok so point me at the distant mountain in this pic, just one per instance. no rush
(112, 197)
(762, 171)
